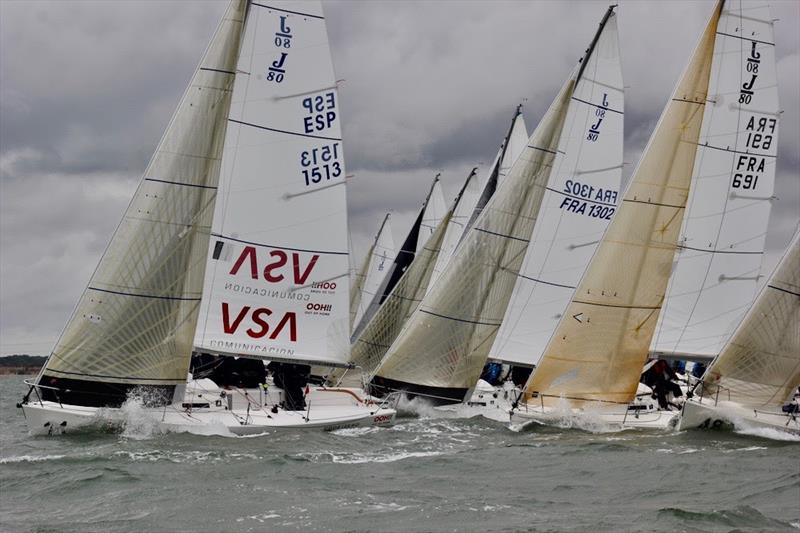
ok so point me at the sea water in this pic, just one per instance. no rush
(431, 471)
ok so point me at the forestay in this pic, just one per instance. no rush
(380, 257)
(723, 236)
(135, 322)
(277, 285)
(760, 366)
(445, 341)
(600, 345)
(580, 200)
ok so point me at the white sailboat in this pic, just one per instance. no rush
(758, 371)
(235, 244)
(443, 347)
(379, 258)
(580, 200)
(593, 361)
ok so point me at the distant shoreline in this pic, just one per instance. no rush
(16, 365)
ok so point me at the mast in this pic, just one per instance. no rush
(584, 59)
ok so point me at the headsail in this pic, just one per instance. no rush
(135, 322)
(442, 348)
(434, 212)
(379, 258)
(760, 366)
(277, 284)
(601, 342)
(722, 240)
(580, 200)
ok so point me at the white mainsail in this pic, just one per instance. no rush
(601, 343)
(380, 257)
(723, 236)
(277, 284)
(443, 345)
(760, 366)
(464, 205)
(135, 322)
(434, 212)
(580, 200)
(516, 142)
(404, 258)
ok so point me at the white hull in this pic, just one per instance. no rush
(330, 409)
(707, 415)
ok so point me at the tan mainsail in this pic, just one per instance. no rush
(446, 340)
(602, 340)
(136, 320)
(760, 366)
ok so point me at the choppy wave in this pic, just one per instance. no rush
(767, 433)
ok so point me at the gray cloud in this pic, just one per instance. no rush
(86, 89)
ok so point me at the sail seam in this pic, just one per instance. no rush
(783, 290)
(619, 306)
(222, 71)
(546, 282)
(654, 203)
(152, 296)
(180, 183)
(687, 101)
(734, 151)
(680, 246)
(284, 131)
(460, 319)
(744, 38)
(288, 11)
(501, 235)
(597, 106)
(579, 198)
(277, 247)
(542, 149)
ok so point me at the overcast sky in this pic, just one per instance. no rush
(86, 89)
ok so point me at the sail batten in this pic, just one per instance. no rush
(135, 321)
(599, 347)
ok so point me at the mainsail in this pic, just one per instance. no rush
(601, 342)
(722, 240)
(379, 258)
(135, 322)
(434, 212)
(580, 200)
(277, 284)
(445, 343)
(403, 260)
(760, 366)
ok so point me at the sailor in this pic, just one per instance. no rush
(659, 377)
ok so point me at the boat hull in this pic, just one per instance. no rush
(333, 409)
(707, 415)
(618, 418)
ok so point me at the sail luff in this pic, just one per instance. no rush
(602, 340)
(135, 322)
(760, 365)
(382, 252)
(444, 343)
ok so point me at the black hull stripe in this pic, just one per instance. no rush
(438, 395)
(288, 11)
(181, 184)
(285, 132)
(324, 252)
(151, 296)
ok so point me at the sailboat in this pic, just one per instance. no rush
(443, 347)
(706, 133)
(235, 244)
(380, 256)
(758, 372)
